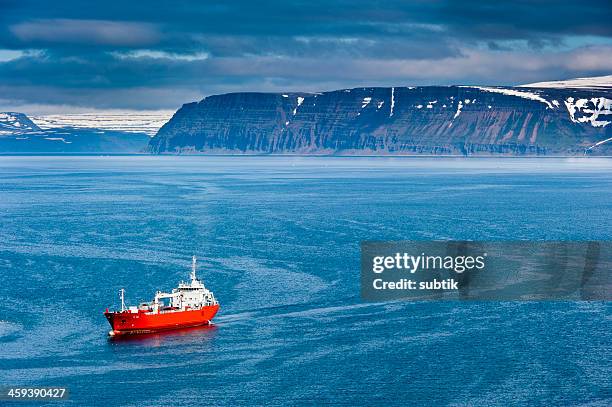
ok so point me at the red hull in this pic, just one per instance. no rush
(143, 322)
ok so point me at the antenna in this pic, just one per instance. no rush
(193, 268)
(122, 296)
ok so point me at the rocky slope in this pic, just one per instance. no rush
(12, 123)
(456, 120)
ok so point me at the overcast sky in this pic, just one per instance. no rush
(70, 56)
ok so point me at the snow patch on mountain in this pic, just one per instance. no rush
(599, 143)
(517, 93)
(130, 122)
(589, 110)
(596, 82)
(300, 100)
(63, 140)
(457, 113)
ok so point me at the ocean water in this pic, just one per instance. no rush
(278, 243)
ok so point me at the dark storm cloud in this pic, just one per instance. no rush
(94, 54)
(527, 19)
(91, 32)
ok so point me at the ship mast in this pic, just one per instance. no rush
(122, 296)
(193, 268)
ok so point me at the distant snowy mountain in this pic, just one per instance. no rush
(18, 134)
(131, 122)
(16, 123)
(596, 82)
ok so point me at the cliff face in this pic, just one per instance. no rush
(416, 120)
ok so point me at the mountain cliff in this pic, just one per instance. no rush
(455, 120)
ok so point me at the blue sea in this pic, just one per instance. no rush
(278, 242)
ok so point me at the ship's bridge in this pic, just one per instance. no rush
(190, 295)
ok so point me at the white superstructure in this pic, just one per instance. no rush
(187, 296)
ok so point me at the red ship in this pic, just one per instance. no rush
(190, 304)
